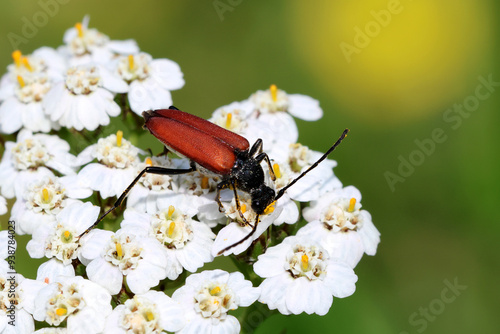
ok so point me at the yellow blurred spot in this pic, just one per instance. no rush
(243, 208)
(171, 229)
(17, 55)
(171, 210)
(149, 316)
(149, 162)
(61, 311)
(274, 92)
(45, 194)
(27, 64)
(67, 234)
(270, 208)
(46, 280)
(21, 82)
(131, 62)
(394, 61)
(228, 120)
(119, 137)
(119, 250)
(215, 290)
(276, 169)
(305, 262)
(79, 28)
(352, 203)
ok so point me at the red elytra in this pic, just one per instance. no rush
(208, 144)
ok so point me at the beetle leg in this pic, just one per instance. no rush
(254, 228)
(264, 156)
(256, 148)
(220, 186)
(237, 200)
(148, 169)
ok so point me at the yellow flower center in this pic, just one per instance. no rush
(171, 229)
(119, 137)
(21, 82)
(79, 28)
(215, 290)
(228, 120)
(274, 92)
(352, 203)
(276, 170)
(131, 62)
(171, 210)
(17, 55)
(305, 262)
(119, 250)
(61, 311)
(27, 64)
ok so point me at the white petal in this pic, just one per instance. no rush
(106, 275)
(304, 107)
(50, 270)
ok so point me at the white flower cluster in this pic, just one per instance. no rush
(171, 224)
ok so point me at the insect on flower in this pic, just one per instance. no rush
(215, 150)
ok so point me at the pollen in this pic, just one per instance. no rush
(61, 311)
(204, 182)
(352, 203)
(274, 92)
(243, 208)
(270, 208)
(27, 64)
(67, 234)
(79, 28)
(149, 162)
(21, 81)
(305, 262)
(119, 250)
(229, 117)
(45, 194)
(131, 62)
(46, 280)
(149, 316)
(171, 229)
(171, 210)
(17, 55)
(215, 290)
(276, 170)
(119, 137)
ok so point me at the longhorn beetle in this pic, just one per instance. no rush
(213, 149)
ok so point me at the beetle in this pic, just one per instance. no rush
(215, 150)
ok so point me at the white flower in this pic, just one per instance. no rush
(24, 108)
(3, 205)
(9, 244)
(313, 185)
(59, 239)
(301, 277)
(207, 298)
(84, 100)
(151, 187)
(150, 81)
(276, 101)
(338, 223)
(125, 254)
(185, 242)
(151, 312)
(237, 229)
(43, 199)
(17, 296)
(30, 159)
(84, 45)
(115, 168)
(83, 304)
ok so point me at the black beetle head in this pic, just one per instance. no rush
(262, 197)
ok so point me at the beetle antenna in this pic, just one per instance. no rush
(323, 157)
(254, 228)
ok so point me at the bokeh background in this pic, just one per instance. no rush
(388, 70)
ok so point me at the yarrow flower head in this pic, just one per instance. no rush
(84, 100)
(44, 199)
(338, 223)
(85, 45)
(115, 168)
(300, 276)
(207, 298)
(33, 156)
(151, 312)
(150, 81)
(84, 305)
(185, 242)
(124, 255)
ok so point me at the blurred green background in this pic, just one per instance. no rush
(389, 71)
